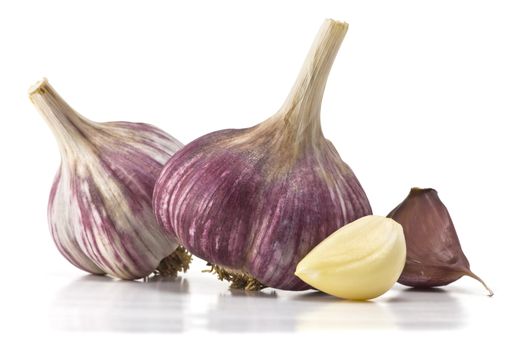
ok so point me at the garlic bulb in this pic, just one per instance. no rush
(360, 261)
(253, 202)
(99, 212)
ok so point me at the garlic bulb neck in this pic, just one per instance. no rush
(70, 128)
(302, 109)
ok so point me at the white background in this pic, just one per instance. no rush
(423, 93)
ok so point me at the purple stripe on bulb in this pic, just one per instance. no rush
(64, 236)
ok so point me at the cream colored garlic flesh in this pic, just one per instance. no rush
(360, 261)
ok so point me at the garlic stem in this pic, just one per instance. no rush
(302, 108)
(69, 127)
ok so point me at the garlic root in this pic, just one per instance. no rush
(238, 280)
(178, 261)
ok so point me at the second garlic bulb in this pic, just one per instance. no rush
(100, 213)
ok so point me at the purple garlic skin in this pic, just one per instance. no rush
(255, 201)
(434, 254)
(99, 210)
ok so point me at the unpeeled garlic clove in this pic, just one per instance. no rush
(434, 254)
(254, 201)
(360, 261)
(99, 211)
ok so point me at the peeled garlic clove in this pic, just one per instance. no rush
(434, 254)
(254, 201)
(360, 261)
(99, 212)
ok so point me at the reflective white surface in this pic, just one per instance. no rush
(198, 302)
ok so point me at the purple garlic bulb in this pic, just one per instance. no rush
(253, 202)
(99, 212)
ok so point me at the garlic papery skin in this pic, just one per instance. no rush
(99, 210)
(434, 254)
(360, 261)
(252, 202)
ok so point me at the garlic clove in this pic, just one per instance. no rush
(99, 211)
(434, 254)
(252, 202)
(360, 261)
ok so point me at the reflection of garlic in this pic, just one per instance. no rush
(360, 261)
(97, 304)
(342, 315)
(99, 210)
